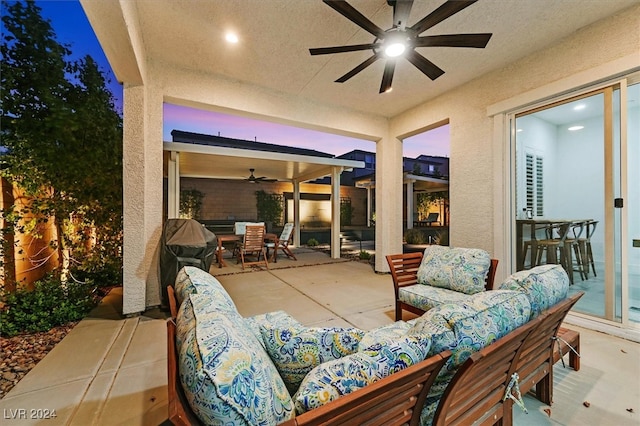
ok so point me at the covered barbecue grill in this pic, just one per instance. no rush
(185, 242)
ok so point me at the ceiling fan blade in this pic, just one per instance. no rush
(451, 7)
(454, 40)
(427, 67)
(341, 49)
(359, 68)
(387, 76)
(401, 11)
(349, 12)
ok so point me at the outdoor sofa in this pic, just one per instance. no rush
(269, 369)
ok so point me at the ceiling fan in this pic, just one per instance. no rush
(254, 179)
(402, 40)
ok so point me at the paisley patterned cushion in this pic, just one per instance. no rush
(426, 297)
(194, 280)
(226, 376)
(279, 319)
(330, 380)
(387, 332)
(458, 269)
(295, 352)
(544, 286)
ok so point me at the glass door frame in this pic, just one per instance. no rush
(612, 189)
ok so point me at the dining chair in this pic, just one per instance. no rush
(283, 242)
(239, 229)
(253, 244)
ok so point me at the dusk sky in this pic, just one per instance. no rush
(72, 28)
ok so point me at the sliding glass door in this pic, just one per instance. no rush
(576, 197)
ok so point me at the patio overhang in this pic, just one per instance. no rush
(202, 161)
(420, 183)
(414, 184)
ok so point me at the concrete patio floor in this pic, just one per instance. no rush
(111, 370)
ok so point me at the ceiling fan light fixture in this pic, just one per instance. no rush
(394, 49)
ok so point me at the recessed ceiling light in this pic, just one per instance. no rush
(231, 38)
(579, 107)
(574, 128)
(519, 130)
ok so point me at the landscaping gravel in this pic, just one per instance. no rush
(19, 354)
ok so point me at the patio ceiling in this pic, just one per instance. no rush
(231, 163)
(275, 37)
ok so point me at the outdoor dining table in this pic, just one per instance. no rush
(272, 238)
(224, 239)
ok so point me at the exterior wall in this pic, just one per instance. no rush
(475, 198)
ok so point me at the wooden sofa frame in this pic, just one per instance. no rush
(476, 394)
(404, 271)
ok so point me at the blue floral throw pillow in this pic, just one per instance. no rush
(296, 351)
(330, 380)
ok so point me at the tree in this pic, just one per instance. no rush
(62, 139)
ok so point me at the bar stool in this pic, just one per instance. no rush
(554, 244)
(571, 244)
(584, 246)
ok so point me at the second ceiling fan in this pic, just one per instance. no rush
(253, 179)
(402, 40)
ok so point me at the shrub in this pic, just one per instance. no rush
(364, 255)
(442, 238)
(415, 236)
(49, 304)
(312, 242)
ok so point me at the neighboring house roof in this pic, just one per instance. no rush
(210, 140)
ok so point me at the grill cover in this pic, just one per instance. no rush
(185, 242)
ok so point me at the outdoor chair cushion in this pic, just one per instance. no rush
(226, 375)
(426, 297)
(330, 380)
(458, 269)
(543, 285)
(194, 280)
(296, 351)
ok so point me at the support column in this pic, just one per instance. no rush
(369, 212)
(388, 200)
(142, 198)
(296, 213)
(335, 212)
(410, 203)
(173, 186)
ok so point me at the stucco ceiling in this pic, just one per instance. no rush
(275, 37)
